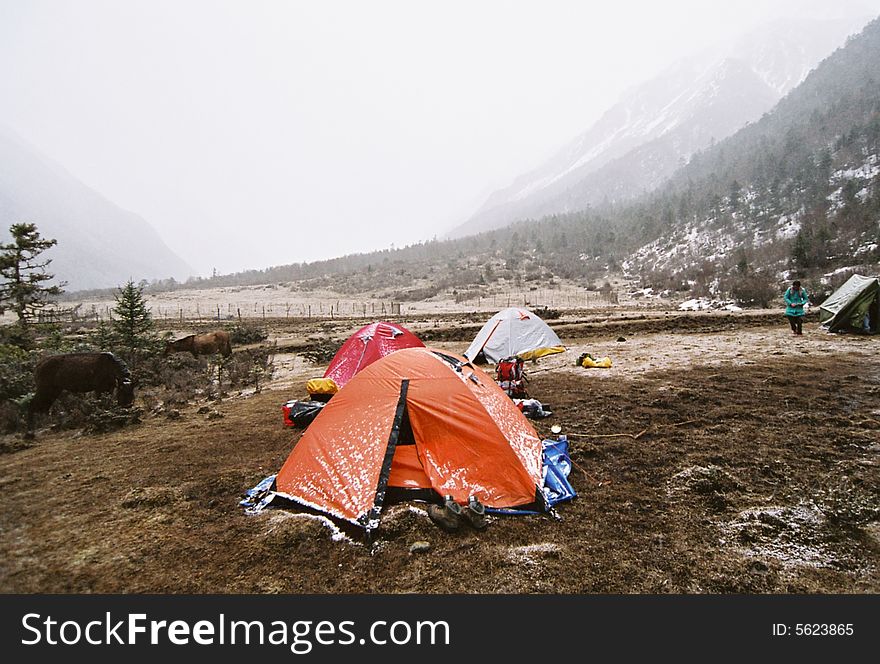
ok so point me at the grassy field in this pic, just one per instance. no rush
(756, 473)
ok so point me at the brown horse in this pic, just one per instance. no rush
(202, 344)
(78, 372)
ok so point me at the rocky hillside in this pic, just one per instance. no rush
(796, 193)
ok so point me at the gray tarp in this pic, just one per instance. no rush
(847, 307)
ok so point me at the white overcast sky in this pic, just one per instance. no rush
(252, 133)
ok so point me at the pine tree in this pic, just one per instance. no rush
(23, 290)
(800, 252)
(104, 337)
(133, 325)
(735, 195)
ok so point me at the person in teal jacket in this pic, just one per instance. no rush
(795, 299)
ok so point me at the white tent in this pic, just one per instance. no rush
(514, 332)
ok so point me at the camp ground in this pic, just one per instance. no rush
(687, 478)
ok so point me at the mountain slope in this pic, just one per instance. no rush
(657, 126)
(99, 244)
(797, 192)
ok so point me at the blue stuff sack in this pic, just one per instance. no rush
(557, 466)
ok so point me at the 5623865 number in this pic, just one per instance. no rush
(823, 629)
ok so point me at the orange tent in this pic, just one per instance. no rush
(415, 420)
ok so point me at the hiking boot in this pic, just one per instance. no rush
(475, 514)
(448, 517)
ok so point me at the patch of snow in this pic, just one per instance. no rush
(646, 293)
(531, 554)
(696, 304)
(335, 533)
(867, 171)
(792, 536)
(788, 227)
(848, 268)
(704, 304)
(836, 199)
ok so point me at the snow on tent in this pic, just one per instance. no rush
(514, 332)
(855, 306)
(367, 345)
(417, 423)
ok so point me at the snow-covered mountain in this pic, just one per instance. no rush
(100, 245)
(656, 127)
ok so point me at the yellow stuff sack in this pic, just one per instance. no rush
(322, 386)
(588, 361)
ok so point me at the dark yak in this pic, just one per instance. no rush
(202, 344)
(78, 372)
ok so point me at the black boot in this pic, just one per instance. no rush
(475, 514)
(447, 517)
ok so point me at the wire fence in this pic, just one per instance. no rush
(240, 311)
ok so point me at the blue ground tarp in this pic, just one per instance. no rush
(557, 466)
(259, 497)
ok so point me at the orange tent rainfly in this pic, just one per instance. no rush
(416, 421)
(367, 345)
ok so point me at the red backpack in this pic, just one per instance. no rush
(511, 377)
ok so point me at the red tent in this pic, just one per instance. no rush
(418, 420)
(367, 345)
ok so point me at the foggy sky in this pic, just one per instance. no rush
(257, 133)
